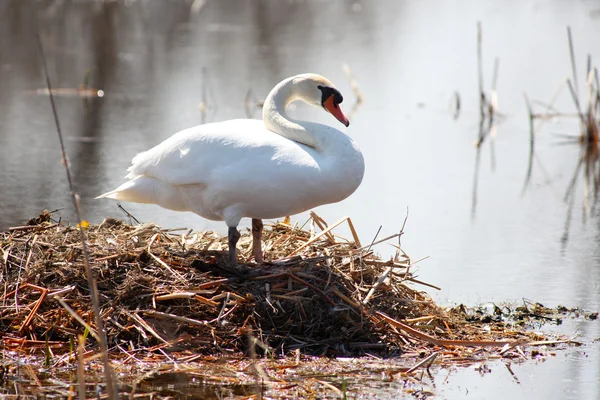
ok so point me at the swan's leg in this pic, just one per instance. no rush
(257, 228)
(233, 237)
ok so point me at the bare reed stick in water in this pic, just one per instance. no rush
(108, 373)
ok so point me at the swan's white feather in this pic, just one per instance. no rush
(238, 168)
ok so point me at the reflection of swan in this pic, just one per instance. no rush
(252, 168)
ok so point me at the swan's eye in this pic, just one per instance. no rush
(327, 92)
(330, 100)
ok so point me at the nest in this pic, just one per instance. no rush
(163, 290)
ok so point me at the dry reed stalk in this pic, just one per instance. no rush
(324, 232)
(481, 95)
(80, 367)
(446, 343)
(38, 303)
(109, 376)
(322, 225)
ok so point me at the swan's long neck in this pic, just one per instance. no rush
(276, 119)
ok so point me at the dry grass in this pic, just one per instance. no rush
(160, 290)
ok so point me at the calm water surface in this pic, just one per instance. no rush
(158, 61)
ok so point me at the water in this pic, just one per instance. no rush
(157, 61)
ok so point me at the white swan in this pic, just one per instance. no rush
(250, 168)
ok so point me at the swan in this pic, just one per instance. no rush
(240, 168)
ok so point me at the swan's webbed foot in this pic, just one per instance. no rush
(257, 228)
(233, 236)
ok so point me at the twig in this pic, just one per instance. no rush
(402, 230)
(382, 278)
(128, 213)
(420, 319)
(423, 283)
(318, 236)
(375, 238)
(354, 234)
(35, 308)
(443, 342)
(164, 264)
(313, 287)
(330, 386)
(321, 224)
(145, 325)
(424, 363)
(175, 318)
(77, 318)
(368, 248)
(27, 228)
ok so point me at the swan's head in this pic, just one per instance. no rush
(320, 92)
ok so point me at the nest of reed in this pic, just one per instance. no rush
(162, 290)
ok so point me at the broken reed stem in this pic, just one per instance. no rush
(424, 363)
(80, 367)
(597, 87)
(576, 100)
(385, 239)
(145, 325)
(402, 232)
(185, 320)
(443, 342)
(36, 307)
(111, 388)
(382, 278)
(573, 67)
(374, 238)
(315, 238)
(480, 69)
(321, 224)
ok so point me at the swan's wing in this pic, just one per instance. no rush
(209, 152)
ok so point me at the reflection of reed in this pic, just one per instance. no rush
(355, 89)
(488, 105)
(489, 114)
(84, 91)
(251, 104)
(588, 138)
(208, 104)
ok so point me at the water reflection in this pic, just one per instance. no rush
(489, 114)
(587, 140)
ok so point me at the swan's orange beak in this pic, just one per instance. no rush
(335, 110)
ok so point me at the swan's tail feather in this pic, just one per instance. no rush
(148, 190)
(126, 192)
